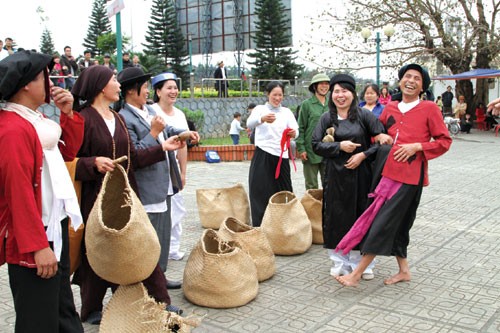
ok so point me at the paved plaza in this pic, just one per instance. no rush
(454, 256)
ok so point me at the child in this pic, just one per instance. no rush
(234, 132)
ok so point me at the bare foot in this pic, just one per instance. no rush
(348, 280)
(400, 277)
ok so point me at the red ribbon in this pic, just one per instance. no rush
(285, 145)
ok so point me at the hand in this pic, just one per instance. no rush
(157, 126)
(104, 164)
(494, 107)
(406, 151)
(173, 143)
(355, 160)
(269, 118)
(195, 137)
(349, 146)
(46, 263)
(63, 100)
(384, 139)
(303, 156)
(291, 133)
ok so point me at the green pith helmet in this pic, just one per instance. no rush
(321, 77)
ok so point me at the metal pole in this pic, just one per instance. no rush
(190, 40)
(119, 60)
(378, 58)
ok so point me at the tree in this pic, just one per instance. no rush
(273, 59)
(460, 34)
(46, 44)
(164, 39)
(107, 43)
(99, 25)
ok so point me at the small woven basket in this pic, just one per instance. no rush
(286, 224)
(254, 242)
(312, 201)
(219, 274)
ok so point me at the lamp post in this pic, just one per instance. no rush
(388, 32)
(190, 40)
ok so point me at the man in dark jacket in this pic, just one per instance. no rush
(447, 98)
(68, 61)
(221, 85)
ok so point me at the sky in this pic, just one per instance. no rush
(67, 20)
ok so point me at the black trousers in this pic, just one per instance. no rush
(45, 305)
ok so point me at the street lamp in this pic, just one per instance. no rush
(190, 40)
(388, 32)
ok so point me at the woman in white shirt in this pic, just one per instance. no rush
(272, 123)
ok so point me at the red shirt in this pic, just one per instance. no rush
(421, 124)
(20, 184)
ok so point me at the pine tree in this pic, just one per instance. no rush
(46, 44)
(164, 39)
(99, 25)
(273, 60)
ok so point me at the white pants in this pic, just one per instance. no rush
(345, 264)
(178, 211)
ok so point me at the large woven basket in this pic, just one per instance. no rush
(312, 201)
(286, 224)
(215, 204)
(219, 274)
(132, 310)
(122, 245)
(254, 242)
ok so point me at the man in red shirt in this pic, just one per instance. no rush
(417, 133)
(36, 194)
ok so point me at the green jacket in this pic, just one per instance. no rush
(309, 114)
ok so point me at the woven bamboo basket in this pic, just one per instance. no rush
(254, 242)
(312, 201)
(219, 274)
(286, 224)
(215, 204)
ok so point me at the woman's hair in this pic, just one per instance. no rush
(273, 84)
(123, 95)
(353, 109)
(374, 87)
(160, 85)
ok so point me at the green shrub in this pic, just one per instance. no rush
(197, 117)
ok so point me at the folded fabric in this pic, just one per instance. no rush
(285, 145)
(384, 191)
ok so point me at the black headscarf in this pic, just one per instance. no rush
(89, 84)
(20, 68)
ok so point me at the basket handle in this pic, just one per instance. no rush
(120, 159)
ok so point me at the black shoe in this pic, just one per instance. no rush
(174, 284)
(174, 309)
(94, 318)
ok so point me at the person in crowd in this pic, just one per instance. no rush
(439, 103)
(370, 101)
(136, 62)
(235, 128)
(460, 108)
(481, 116)
(126, 60)
(70, 66)
(58, 70)
(385, 96)
(273, 123)
(490, 118)
(348, 172)
(466, 124)
(86, 61)
(148, 129)
(105, 139)
(385, 85)
(221, 84)
(251, 131)
(417, 133)
(447, 98)
(310, 112)
(166, 90)
(494, 107)
(107, 62)
(3, 53)
(36, 194)
(9, 46)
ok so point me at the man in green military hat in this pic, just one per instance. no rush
(310, 112)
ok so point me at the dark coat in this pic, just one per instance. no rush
(345, 193)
